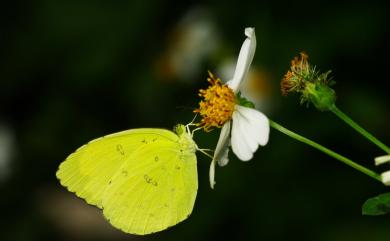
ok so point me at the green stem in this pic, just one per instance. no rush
(331, 153)
(359, 129)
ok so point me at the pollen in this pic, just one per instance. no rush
(217, 105)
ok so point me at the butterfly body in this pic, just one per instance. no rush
(145, 180)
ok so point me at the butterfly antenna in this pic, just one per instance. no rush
(191, 124)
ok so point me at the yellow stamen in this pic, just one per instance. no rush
(217, 105)
(286, 85)
(299, 64)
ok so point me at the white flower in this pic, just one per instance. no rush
(385, 176)
(248, 128)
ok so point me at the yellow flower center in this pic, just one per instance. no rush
(217, 105)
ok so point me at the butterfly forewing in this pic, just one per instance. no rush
(88, 170)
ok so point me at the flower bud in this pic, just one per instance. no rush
(385, 176)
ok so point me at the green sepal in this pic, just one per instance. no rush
(378, 205)
(244, 101)
(320, 95)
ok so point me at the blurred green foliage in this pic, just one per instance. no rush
(72, 71)
(378, 205)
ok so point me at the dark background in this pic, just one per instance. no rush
(72, 71)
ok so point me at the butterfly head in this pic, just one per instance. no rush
(185, 137)
(179, 129)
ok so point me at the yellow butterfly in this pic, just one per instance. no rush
(144, 180)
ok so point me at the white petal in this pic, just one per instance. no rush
(221, 152)
(212, 174)
(224, 156)
(244, 61)
(222, 149)
(258, 123)
(246, 130)
(250, 128)
(240, 146)
(382, 159)
(386, 178)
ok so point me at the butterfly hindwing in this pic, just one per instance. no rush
(154, 190)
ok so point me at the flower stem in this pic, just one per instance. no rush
(359, 129)
(331, 153)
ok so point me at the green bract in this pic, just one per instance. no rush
(320, 95)
(244, 101)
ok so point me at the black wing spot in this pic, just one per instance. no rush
(154, 139)
(124, 173)
(109, 183)
(150, 180)
(147, 178)
(166, 205)
(144, 141)
(177, 167)
(156, 158)
(120, 149)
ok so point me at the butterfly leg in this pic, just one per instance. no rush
(205, 151)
